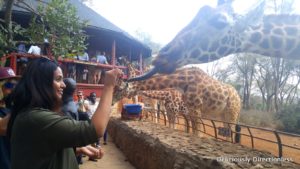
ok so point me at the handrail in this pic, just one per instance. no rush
(250, 134)
(67, 60)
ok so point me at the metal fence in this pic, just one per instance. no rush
(240, 132)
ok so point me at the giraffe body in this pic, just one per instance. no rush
(173, 103)
(202, 94)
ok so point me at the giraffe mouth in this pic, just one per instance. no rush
(145, 76)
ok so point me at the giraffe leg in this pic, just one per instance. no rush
(194, 128)
(171, 118)
(231, 114)
(228, 116)
(186, 124)
(153, 116)
(227, 131)
(176, 121)
(196, 122)
(156, 117)
(165, 117)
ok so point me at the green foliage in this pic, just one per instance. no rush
(1, 3)
(259, 118)
(5, 46)
(290, 118)
(287, 119)
(36, 31)
(59, 23)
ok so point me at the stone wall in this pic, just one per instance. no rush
(152, 146)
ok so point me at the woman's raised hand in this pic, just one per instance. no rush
(112, 76)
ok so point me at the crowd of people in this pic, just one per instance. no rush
(43, 49)
(100, 57)
(43, 126)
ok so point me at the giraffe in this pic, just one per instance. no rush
(172, 100)
(202, 94)
(218, 32)
(151, 104)
(173, 103)
(132, 72)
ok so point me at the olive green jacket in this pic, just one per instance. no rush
(42, 139)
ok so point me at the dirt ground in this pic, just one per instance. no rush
(113, 159)
(259, 144)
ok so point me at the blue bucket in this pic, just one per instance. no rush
(133, 109)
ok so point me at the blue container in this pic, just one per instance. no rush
(133, 109)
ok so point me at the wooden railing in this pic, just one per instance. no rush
(279, 143)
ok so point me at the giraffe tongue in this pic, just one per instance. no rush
(145, 76)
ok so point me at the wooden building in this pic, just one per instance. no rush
(103, 36)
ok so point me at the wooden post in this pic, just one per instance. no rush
(113, 53)
(13, 62)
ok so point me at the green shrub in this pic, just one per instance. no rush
(259, 119)
(290, 118)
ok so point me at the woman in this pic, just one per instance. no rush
(40, 136)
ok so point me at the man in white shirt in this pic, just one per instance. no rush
(92, 104)
(34, 49)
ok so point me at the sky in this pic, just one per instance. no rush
(161, 19)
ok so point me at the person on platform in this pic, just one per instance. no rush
(101, 58)
(34, 49)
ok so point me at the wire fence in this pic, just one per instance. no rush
(279, 143)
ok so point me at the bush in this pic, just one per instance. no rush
(290, 118)
(259, 119)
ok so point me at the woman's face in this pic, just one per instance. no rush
(58, 83)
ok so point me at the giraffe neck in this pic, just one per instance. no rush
(277, 36)
(131, 71)
(156, 94)
(179, 80)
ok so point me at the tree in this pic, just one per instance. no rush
(7, 19)
(245, 64)
(62, 27)
(56, 21)
(8, 29)
(147, 40)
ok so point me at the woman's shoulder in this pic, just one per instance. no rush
(37, 115)
(40, 112)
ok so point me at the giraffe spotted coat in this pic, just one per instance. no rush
(203, 95)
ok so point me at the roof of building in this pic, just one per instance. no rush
(95, 20)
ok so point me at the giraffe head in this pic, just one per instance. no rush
(123, 88)
(205, 39)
